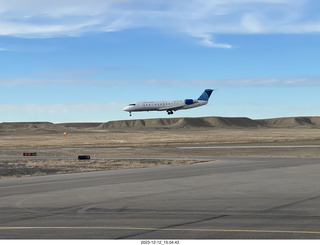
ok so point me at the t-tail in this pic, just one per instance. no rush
(206, 95)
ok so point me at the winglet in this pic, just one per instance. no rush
(206, 94)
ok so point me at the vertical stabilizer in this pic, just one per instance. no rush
(206, 95)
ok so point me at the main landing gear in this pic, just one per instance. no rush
(170, 112)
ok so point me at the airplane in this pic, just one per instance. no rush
(169, 105)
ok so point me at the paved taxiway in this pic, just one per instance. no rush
(227, 198)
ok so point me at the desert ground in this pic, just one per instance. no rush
(148, 143)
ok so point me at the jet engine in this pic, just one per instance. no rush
(188, 101)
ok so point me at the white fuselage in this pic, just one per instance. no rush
(165, 105)
(169, 105)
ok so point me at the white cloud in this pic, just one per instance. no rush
(41, 108)
(84, 79)
(61, 112)
(251, 24)
(209, 43)
(285, 81)
(207, 40)
(201, 19)
(70, 78)
(281, 81)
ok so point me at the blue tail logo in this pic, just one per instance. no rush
(206, 94)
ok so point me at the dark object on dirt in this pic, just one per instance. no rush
(84, 157)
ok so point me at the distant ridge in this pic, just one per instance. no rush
(292, 122)
(213, 122)
(162, 123)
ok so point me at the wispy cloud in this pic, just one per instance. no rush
(59, 112)
(201, 19)
(281, 81)
(70, 78)
(84, 78)
(41, 108)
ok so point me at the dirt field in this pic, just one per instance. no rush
(40, 167)
(58, 154)
(162, 138)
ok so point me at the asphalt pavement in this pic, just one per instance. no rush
(229, 198)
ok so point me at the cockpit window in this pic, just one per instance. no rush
(132, 104)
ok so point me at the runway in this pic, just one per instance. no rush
(229, 198)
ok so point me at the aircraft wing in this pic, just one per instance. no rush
(173, 108)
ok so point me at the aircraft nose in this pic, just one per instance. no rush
(126, 108)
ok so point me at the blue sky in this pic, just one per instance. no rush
(73, 60)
